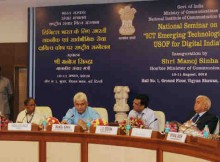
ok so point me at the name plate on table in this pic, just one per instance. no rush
(177, 137)
(141, 132)
(106, 130)
(19, 126)
(63, 128)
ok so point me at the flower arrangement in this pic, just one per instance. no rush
(134, 122)
(99, 122)
(52, 120)
(173, 127)
(4, 121)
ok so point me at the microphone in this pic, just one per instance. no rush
(68, 119)
(152, 122)
(24, 116)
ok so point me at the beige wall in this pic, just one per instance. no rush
(13, 19)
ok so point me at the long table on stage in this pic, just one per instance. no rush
(38, 146)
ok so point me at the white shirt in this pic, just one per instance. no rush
(200, 114)
(35, 117)
(147, 116)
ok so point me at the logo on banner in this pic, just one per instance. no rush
(127, 17)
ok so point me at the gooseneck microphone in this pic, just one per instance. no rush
(24, 117)
(152, 122)
(70, 117)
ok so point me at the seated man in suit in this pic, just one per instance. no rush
(143, 112)
(203, 116)
(81, 112)
(29, 114)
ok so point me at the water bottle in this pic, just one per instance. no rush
(128, 127)
(88, 124)
(167, 127)
(206, 132)
(44, 123)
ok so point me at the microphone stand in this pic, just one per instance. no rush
(152, 122)
(70, 117)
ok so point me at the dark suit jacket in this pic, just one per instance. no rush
(207, 119)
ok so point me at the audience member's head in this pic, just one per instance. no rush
(80, 102)
(30, 104)
(140, 102)
(202, 104)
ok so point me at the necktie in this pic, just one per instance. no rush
(195, 118)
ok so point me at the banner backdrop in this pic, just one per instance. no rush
(168, 50)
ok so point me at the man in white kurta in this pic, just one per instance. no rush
(34, 117)
(30, 114)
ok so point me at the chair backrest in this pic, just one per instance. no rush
(44, 110)
(102, 112)
(161, 120)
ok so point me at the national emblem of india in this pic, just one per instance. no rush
(127, 17)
